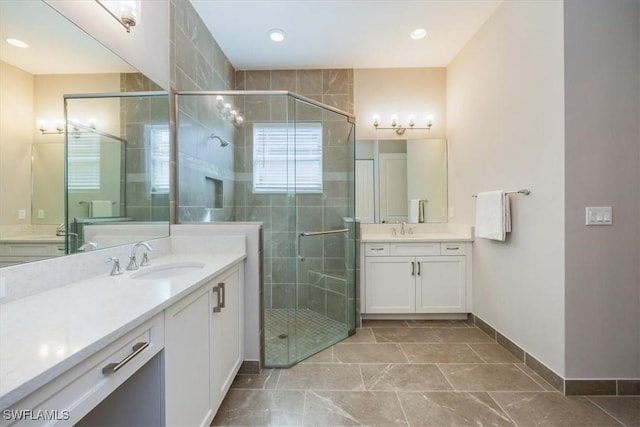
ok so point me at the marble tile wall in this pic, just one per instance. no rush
(141, 204)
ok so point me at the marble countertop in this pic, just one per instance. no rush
(416, 238)
(44, 335)
(31, 238)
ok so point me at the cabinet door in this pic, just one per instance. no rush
(440, 284)
(187, 364)
(390, 285)
(227, 333)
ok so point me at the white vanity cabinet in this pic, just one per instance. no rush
(203, 349)
(416, 278)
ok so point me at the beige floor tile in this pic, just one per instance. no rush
(419, 323)
(267, 379)
(372, 323)
(261, 408)
(403, 377)
(488, 377)
(440, 353)
(537, 378)
(407, 335)
(368, 353)
(551, 409)
(622, 408)
(325, 356)
(494, 353)
(321, 376)
(362, 335)
(339, 408)
(463, 335)
(445, 409)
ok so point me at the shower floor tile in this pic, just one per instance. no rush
(291, 335)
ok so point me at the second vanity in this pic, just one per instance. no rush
(415, 271)
(156, 346)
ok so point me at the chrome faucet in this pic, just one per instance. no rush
(116, 266)
(402, 230)
(87, 247)
(133, 263)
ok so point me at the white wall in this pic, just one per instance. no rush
(505, 114)
(146, 47)
(602, 169)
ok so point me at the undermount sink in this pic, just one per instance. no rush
(164, 271)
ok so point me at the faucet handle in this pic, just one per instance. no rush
(133, 264)
(145, 260)
(116, 270)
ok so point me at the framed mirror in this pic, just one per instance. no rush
(401, 181)
(61, 59)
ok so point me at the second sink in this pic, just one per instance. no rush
(164, 271)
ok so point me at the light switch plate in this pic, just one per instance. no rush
(599, 215)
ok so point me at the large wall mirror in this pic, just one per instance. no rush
(117, 141)
(401, 181)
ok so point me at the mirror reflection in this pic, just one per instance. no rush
(401, 181)
(33, 82)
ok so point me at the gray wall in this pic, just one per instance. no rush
(602, 148)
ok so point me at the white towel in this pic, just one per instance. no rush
(493, 215)
(100, 209)
(414, 209)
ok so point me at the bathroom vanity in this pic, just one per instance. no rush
(18, 249)
(156, 346)
(420, 272)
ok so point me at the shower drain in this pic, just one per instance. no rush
(283, 336)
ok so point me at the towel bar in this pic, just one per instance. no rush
(524, 191)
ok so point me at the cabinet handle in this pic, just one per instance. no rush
(218, 306)
(377, 249)
(453, 248)
(413, 268)
(112, 368)
(418, 268)
(223, 294)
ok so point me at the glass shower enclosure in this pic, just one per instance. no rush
(288, 162)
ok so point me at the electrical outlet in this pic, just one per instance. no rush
(599, 215)
(22, 214)
(40, 213)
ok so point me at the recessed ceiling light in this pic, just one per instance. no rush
(16, 43)
(418, 33)
(276, 35)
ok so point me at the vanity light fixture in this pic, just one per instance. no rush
(398, 128)
(229, 112)
(59, 129)
(126, 12)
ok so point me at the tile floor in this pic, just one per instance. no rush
(416, 373)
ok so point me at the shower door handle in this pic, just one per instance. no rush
(317, 233)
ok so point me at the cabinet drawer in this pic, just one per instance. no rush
(415, 249)
(76, 392)
(376, 249)
(452, 249)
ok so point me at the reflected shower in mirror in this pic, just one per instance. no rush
(61, 60)
(401, 180)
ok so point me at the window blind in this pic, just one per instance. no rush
(83, 157)
(158, 138)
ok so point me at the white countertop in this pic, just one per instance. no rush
(44, 335)
(416, 238)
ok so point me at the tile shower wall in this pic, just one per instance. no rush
(198, 63)
(321, 277)
(141, 204)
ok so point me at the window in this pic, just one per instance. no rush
(83, 157)
(287, 157)
(158, 139)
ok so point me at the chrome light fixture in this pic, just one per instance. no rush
(398, 128)
(126, 12)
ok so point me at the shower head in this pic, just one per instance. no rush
(223, 143)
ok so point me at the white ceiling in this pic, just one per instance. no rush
(56, 46)
(342, 33)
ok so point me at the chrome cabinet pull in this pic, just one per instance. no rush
(418, 268)
(218, 306)
(413, 268)
(223, 294)
(377, 249)
(453, 248)
(112, 368)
